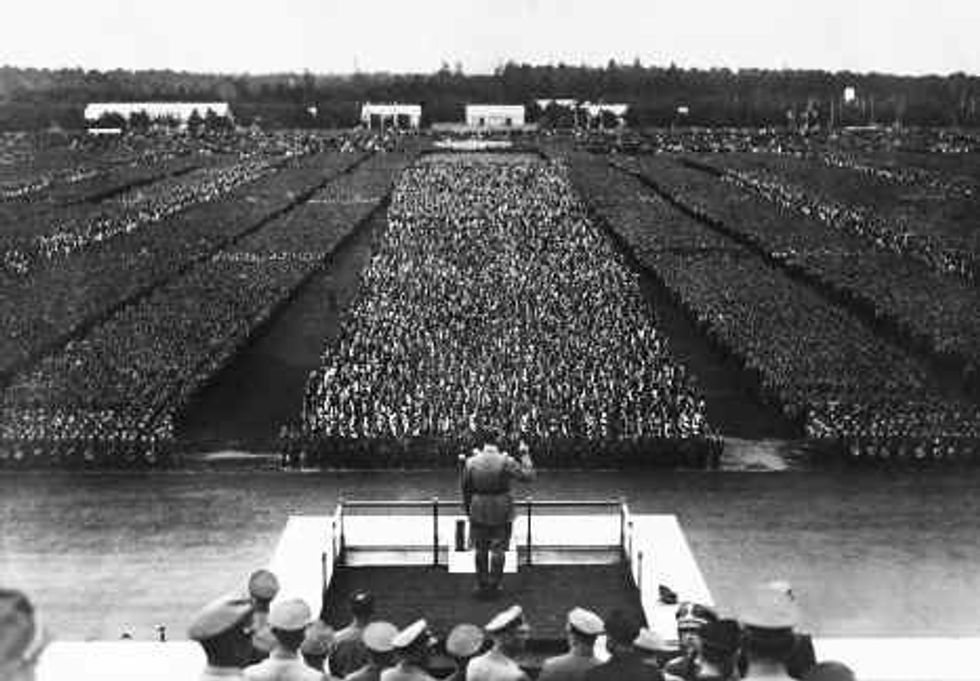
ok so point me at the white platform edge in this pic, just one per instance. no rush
(298, 561)
(904, 659)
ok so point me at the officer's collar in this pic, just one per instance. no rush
(212, 670)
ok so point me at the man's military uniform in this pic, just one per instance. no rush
(769, 617)
(573, 665)
(625, 663)
(463, 642)
(379, 640)
(348, 652)
(222, 628)
(262, 588)
(628, 667)
(412, 645)
(486, 496)
(495, 664)
(284, 664)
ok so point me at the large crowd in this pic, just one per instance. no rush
(117, 387)
(145, 191)
(50, 305)
(492, 302)
(949, 187)
(136, 210)
(66, 170)
(825, 369)
(928, 247)
(927, 307)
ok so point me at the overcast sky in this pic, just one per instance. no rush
(337, 36)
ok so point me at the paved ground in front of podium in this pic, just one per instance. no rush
(405, 594)
(871, 553)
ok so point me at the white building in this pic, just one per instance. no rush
(391, 115)
(567, 103)
(178, 111)
(596, 110)
(495, 116)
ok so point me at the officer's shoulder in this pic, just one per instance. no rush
(310, 674)
(256, 671)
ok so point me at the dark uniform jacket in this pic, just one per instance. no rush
(348, 652)
(629, 667)
(567, 667)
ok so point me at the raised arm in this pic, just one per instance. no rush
(522, 468)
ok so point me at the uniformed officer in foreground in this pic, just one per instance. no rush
(691, 619)
(413, 645)
(262, 588)
(625, 663)
(769, 639)
(718, 658)
(462, 644)
(23, 637)
(316, 645)
(487, 477)
(288, 619)
(652, 648)
(509, 632)
(349, 652)
(223, 627)
(803, 657)
(582, 627)
(379, 640)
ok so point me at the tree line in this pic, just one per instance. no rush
(658, 96)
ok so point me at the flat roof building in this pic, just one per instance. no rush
(596, 110)
(393, 115)
(566, 103)
(179, 111)
(495, 116)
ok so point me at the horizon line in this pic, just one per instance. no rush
(493, 73)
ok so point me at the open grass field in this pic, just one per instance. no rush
(869, 553)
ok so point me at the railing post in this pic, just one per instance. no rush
(629, 543)
(343, 539)
(622, 526)
(324, 581)
(435, 531)
(528, 501)
(639, 572)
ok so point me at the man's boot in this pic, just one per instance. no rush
(482, 572)
(497, 559)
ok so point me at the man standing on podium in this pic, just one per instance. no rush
(486, 497)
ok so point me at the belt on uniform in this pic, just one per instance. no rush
(505, 490)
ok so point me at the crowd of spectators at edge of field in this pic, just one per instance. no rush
(248, 636)
(254, 153)
(493, 302)
(882, 413)
(889, 273)
(930, 249)
(837, 146)
(97, 438)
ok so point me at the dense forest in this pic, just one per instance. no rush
(40, 98)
